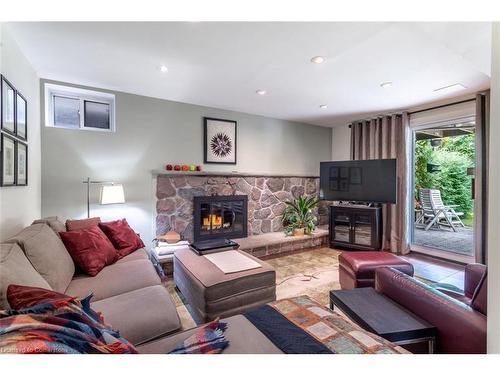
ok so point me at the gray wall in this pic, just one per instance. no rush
(20, 205)
(151, 133)
(341, 142)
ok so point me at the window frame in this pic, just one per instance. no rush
(83, 95)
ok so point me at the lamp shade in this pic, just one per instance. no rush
(111, 194)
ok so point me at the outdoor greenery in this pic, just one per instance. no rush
(299, 214)
(453, 157)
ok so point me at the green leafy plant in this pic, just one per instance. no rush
(300, 213)
(453, 156)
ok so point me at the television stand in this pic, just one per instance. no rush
(355, 227)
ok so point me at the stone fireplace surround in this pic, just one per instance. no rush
(266, 197)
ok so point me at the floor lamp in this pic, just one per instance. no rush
(111, 193)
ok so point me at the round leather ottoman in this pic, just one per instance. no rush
(357, 269)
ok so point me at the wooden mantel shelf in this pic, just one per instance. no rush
(159, 172)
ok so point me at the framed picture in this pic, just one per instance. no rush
(7, 160)
(21, 117)
(355, 175)
(22, 164)
(220, 141)
(8, 98)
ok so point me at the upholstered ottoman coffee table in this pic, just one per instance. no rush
(357, 269)
(212, 293)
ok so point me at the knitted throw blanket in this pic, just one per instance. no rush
(208, 339)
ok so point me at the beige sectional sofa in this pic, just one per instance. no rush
(128, 293)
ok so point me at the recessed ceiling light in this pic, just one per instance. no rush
(261, 92)
(386, 85)
(323, 106)
(163, 69)
(318, 60)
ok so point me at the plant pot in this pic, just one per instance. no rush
(299, 232)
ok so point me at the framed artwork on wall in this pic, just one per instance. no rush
(7, 160)
(13, 136)
(21, 117)
(219, 141)
(8, 114)
(21, 164)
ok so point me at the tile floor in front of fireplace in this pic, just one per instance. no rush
(314, 273)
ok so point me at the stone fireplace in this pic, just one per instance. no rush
(220, 216)
(267, 194)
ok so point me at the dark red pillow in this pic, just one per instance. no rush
(82, 224)
(90, 249)
(21, 297)
(122, 236)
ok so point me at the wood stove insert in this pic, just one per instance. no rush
(220, 217)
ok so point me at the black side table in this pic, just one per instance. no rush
(380, 315)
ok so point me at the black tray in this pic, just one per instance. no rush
(213, 246)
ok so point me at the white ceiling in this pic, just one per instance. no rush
(223, 64)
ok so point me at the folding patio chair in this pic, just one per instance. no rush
(436, 213)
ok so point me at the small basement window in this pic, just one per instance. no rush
(75, 108)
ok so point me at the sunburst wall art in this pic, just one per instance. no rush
(220, 141)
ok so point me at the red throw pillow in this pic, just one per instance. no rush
(82, 224)
(21, 297)
(90, 249)
(122, 236)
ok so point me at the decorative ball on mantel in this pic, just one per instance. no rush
(185, 167)
(198, 168)
(177, 167)
(169, 167)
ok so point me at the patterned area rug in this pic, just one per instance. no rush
(311, 272)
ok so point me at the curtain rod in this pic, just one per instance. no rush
(442, 106)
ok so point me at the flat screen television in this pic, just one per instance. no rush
(371, 181)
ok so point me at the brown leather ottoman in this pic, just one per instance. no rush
(357, 269)
(211, 293)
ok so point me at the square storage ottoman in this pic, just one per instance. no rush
(211, 293)
(357, 269)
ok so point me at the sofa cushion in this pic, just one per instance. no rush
(15, 268)
(140, 315)
(21, 297)
(47, 254)
(243, 337)
(53, 222)
(123, 238)
(136, 255)
(82, 223)
(116, 279)
(90, 249)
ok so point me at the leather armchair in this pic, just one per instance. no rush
(461, 328)
(474, 274)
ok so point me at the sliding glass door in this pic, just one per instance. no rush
(444, 169)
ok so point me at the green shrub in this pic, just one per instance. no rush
(454, 156)
(453, 181)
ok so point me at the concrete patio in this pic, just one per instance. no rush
(460, 242)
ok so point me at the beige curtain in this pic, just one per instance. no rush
(387, 137)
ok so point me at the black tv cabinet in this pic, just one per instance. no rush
(355, 227)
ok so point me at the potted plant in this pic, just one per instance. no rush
(298, 217)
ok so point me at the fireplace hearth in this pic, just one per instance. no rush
(220, 217)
